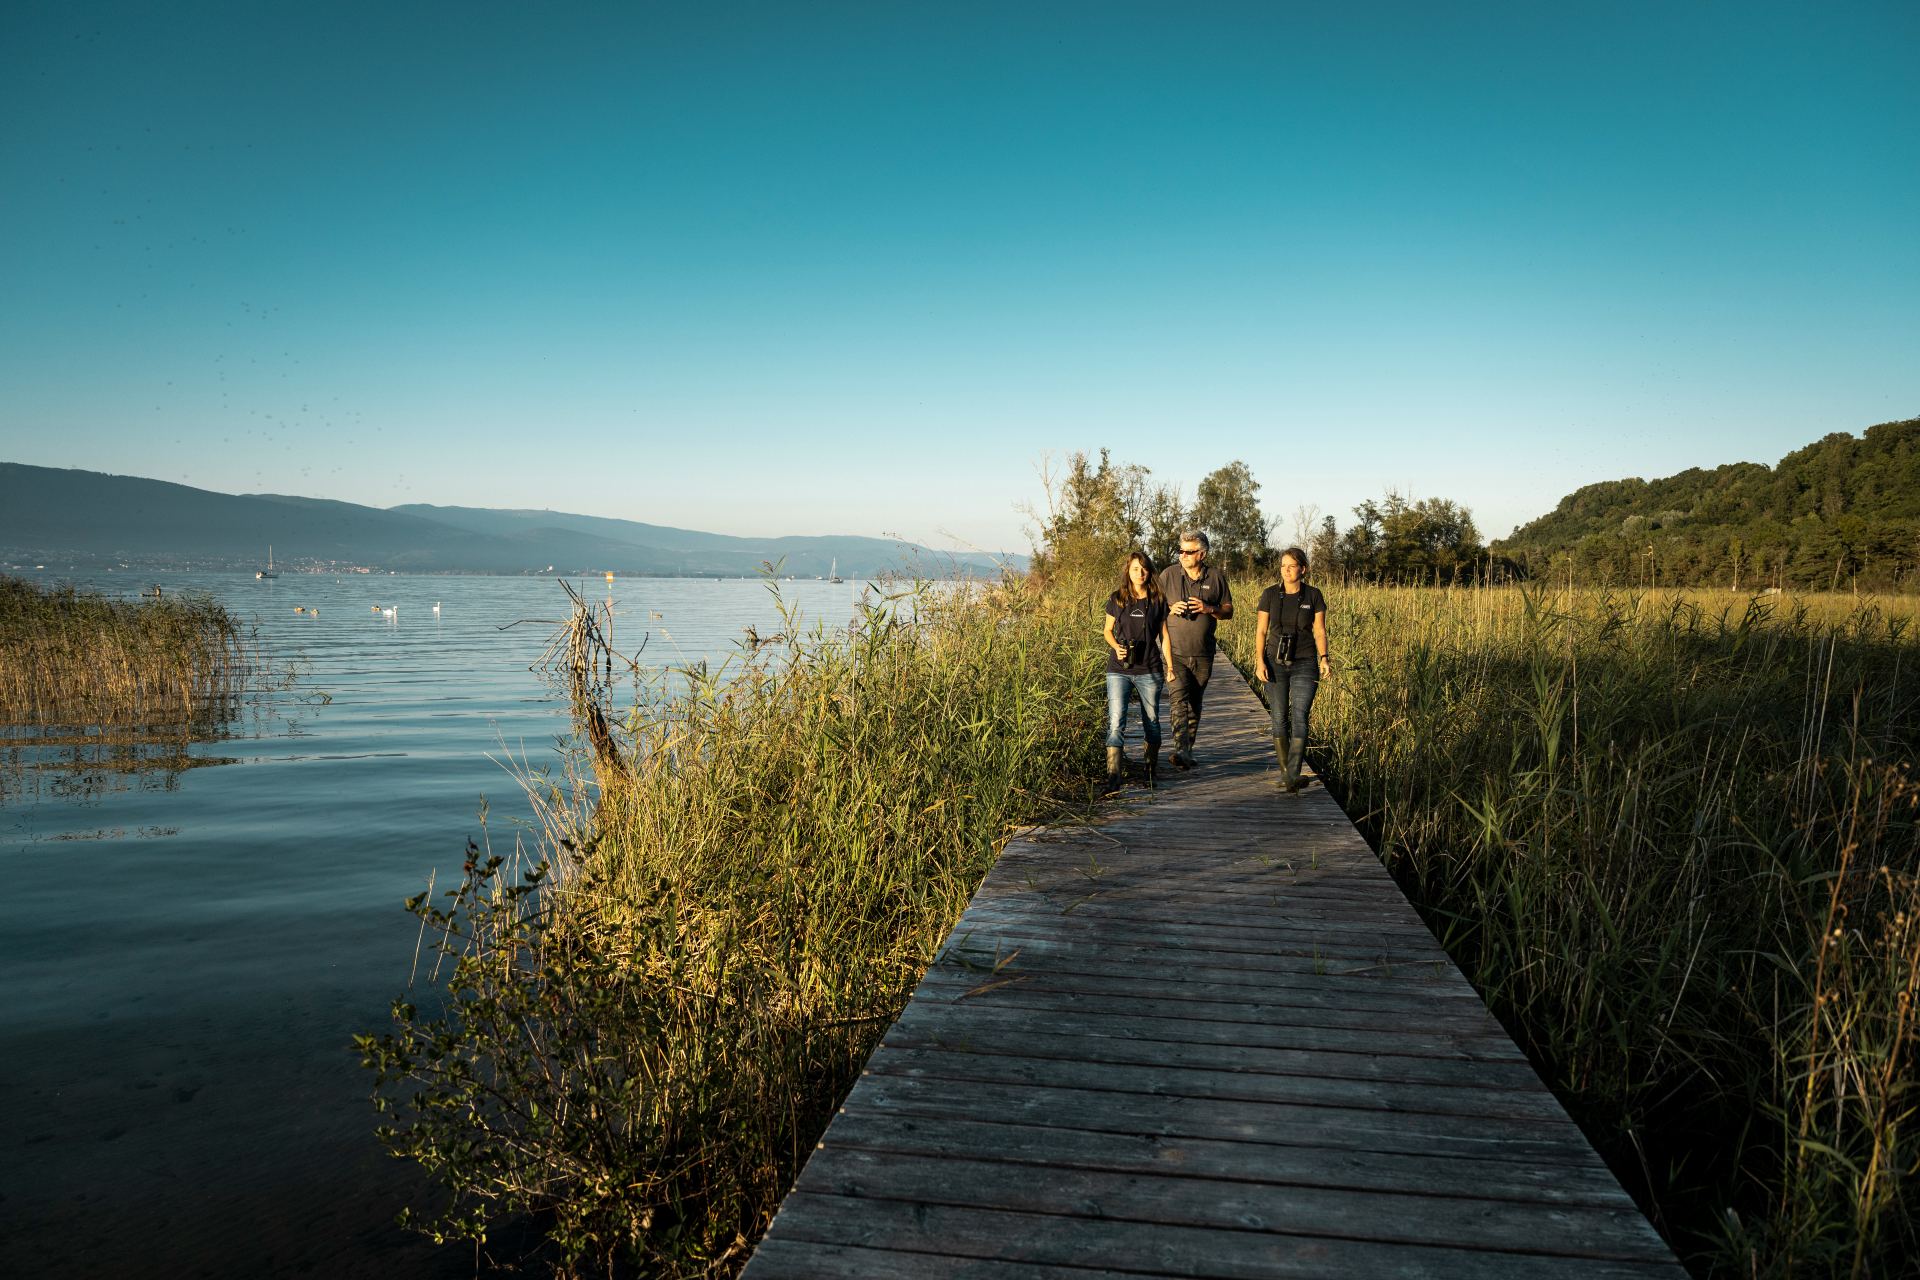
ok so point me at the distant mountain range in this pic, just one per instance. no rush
(87, 518)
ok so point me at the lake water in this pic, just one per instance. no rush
(188, 952)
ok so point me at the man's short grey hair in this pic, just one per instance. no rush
(1197, 535)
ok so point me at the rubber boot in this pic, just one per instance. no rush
(1116, 766)
(1280, 756)
(1296, 756)
(1153, 765)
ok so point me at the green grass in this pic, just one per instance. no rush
(640, 1045)
(1673, 839)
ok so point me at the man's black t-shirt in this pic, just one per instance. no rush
(1292, 613)
(1192, 635)
(1137, 622)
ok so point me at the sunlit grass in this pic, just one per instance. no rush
(1673, 839)
(643, 1047)
(77, 658)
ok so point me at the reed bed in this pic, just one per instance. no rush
(644, 1034)
(1674, 841)
(72, 657)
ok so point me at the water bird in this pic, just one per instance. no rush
(390, 612)
(299, 608)
(653, 613)
(436, 606)
(376, 608)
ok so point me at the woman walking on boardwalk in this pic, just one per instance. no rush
(1291, 643)
(1137, 661)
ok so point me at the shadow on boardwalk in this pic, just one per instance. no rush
(1205, 1036)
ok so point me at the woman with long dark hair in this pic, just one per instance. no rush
(1290, 645)
(1137, 661)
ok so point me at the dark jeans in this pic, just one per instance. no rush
(1120, 691)
(1186, 687)
(1290, 696)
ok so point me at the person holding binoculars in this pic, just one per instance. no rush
(1137, 660)
(1291, 647)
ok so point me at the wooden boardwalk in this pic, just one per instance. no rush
(1206, 1036)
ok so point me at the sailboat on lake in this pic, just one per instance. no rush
(833, 574)
(269, 571)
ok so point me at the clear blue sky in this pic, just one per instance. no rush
(812, 268)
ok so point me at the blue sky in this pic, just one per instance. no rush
(822, 268)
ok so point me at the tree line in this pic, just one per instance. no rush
(1097, 510)
(1843, 511)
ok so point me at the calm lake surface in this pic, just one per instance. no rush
(188, 952)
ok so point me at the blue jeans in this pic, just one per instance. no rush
(1120, 691)
(1290, 695)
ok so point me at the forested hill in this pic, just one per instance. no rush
(1844, 510)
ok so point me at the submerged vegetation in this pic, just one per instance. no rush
(1675, 841)
(78, 658)
(643, 1036)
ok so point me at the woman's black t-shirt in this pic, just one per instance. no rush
(1137, 622)
(1292, 613)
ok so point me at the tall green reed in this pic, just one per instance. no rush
(1674, 841)
(642, 1037)
(74, 657)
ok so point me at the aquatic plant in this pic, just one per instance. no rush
(1675, 841)
(642, 1034)
(81, 658)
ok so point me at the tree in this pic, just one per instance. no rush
(1099, 511)
(1397, 540)
(1228, 508)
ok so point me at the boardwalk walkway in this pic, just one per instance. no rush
(1204, 1037)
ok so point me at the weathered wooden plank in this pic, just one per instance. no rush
(1442, 1022)
(1238, 1086)
(1371, 986)
(1158, 1115)
(1615, 1231)
(1170, 1250)
(976, 933)
(1005, 1032)
(1274, 922)
(1277, 1161)
(1035, 949)
(806, 1260)
(1301, 987)
(1340, 1045)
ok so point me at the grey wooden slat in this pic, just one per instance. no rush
(1302, 987)
(805, 1260)
(1441, 1022)
(1386, 1095)
(1163, 1250)
(1160, 1115)
(1567, 1230)
(977, 1032)
(1308, 1031)
(1275, 1161)
(1198, 975)
(1404, 928)
(1035, 947)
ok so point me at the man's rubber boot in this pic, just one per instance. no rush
(1153, 765)
(1296, 756)
(1116, 766)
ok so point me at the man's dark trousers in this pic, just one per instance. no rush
(1186, 688)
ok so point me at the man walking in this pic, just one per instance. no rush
(1197, 598)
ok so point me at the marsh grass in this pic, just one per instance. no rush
(1675, 841)
(643, 1034)
(69, 657)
